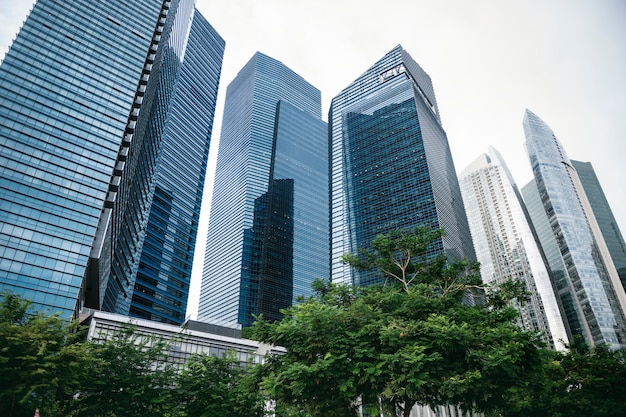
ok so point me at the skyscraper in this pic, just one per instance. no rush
(268, 230)
(506, 244)
(591, 293)
(391, 166)
(165, 261)
(604, 215)
(91, 114)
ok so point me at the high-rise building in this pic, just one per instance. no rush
(506, 244)
(604, 215)
(591, 293)
(168, 182)
(268, 230)
(391, 166)
(98, 155)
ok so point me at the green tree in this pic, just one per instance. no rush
(590, 382)
(129, 374)
(219, 386)
(41, 360)
(410, 341)
(401, 257)
(582, 381)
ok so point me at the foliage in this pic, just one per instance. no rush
(46, 364)
(400, 256)
(384, 348)
(394, 346)
(591, 382)
(41, 362)
(219, 386)
(126, 372)
(582, 381)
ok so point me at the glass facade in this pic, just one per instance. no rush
(155, 192)
(591, 292)
(128, 82)
(603, 214)
(391, 166)
(67, 84)
(269, 217)
(289, 237)
(164, 271)
(133, 194)
(571, 312)
(506, 244)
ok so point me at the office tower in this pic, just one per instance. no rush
(165, 261)
(268, 230)
(391, 166)
(604, 215)
(591, 293)
(90, 109)
(506, 245)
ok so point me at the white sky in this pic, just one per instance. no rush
(489, 60)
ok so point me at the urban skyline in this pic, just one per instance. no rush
(489, 62)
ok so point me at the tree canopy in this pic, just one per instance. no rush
(411, 341)
(41, 361)
(219, 386)
(127, 371)
(47, 365)
(418, 338)
(581, 381)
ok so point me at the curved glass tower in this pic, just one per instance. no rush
(589, 287)
(268, 231)
(506, 244)
(391, 166)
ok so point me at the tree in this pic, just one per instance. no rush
(410, 341)
(322, 339)
(581, 381)
(401, 257)
(128, 373)
(219, 386)
(41, 361)
(587, 381)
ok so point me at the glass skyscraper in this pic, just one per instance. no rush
(591, 293)
(268, 230)
(506, 244)
(604, 215)
(91, 126)
(391, 166)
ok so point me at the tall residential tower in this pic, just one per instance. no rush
(94, 123)
(268, 230)
(586, 279)
(506, 244)
(391, 166)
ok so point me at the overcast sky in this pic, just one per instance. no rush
(488, 59)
